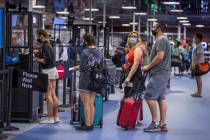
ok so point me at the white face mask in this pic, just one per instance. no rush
(133, 40)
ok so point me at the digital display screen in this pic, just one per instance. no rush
(14, 20)
(58, 21)
(1, 26)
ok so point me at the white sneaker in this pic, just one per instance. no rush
(57, 120)
(47, 121)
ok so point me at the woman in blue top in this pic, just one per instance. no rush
(90, 56)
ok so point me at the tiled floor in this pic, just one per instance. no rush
(188, 119)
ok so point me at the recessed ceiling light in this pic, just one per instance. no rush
(184, 21)
(140, 14)
(125, 25)
(62, 12)
(129, 7)
(114, 17)
(133, 23)
(182, 18)
(38, 6)
(152, 19)
(186, 24)
(88, 19)
(199, 26)
(171, 3)
(64, 17)
(92, 9)
(177, 11)
(100, 22)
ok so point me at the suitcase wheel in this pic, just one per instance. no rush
(126, 127)
(101, 123)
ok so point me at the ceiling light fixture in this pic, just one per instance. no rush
(199, 26)
(129, 7)
(65, 12)
(125, 25)
(114, 17)
(186, 24)
(92, 9)
(64, 17)
(152, 19)
(88, 18)
(184, 21)
(171, 3)
(140, 14)
(133, 23)
(182, 18)
(176, 11)
(38, 6)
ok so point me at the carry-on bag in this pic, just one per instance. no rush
(128, 112)
(98, 117)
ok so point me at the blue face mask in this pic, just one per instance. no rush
(133, 40)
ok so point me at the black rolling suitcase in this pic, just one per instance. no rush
(75, 112)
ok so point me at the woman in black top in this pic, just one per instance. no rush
(90, 57)
(47, 65)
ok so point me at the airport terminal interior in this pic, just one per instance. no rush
(104, 69)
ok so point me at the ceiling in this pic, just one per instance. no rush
(197, 11)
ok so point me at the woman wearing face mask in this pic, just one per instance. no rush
(134, 58)
(47, 66)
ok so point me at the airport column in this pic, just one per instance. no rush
(185, 32)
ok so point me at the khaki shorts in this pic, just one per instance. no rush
(51, 72)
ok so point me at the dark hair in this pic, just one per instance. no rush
(199, 36)
(40, 32)
(89, 40)
(161, 25)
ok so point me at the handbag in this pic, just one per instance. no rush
(204, 67)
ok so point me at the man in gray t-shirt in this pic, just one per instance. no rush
(159, 73)
(161, 44)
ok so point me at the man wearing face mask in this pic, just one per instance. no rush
(159, 73)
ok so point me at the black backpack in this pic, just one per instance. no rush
(96, 78)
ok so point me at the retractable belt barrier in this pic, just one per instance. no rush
(65, 75)
(6, 79)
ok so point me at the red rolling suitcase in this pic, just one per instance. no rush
(128, 112)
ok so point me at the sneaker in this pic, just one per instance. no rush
(163, 127)
(153, 127)
(47, 121)
(57, 120)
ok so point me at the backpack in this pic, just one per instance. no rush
(96, 78)
(96, 72)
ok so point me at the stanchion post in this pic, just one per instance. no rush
(9, 103)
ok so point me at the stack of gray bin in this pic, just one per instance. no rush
(109, 73)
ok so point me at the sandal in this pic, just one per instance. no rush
(196, 95)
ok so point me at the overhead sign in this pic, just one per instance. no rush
(30, 80)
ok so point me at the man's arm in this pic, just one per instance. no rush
(159, 57)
